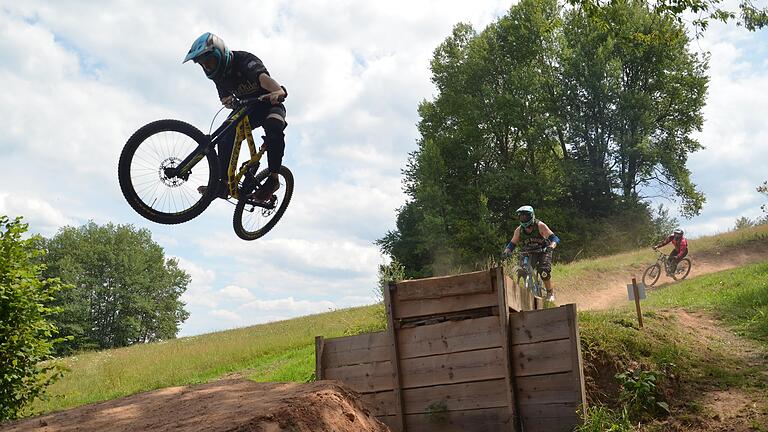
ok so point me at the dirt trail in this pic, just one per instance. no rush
(609, 289)
(221, 406)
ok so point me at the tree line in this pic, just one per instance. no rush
(586, 120)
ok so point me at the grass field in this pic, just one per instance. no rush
(283, 351)
(279, 351)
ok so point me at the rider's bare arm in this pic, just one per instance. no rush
(515, 240)
(547, 233)
(269, 84)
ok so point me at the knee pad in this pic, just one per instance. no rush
(546, 275)
(274, 128)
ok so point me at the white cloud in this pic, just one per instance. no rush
(42, 217)
(226, 315)
(200, 291)
(289, 306)
(236, 293)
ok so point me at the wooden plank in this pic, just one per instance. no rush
(538, 326)
(453, 368)
(319, 345)
(578, 365)
(482, 420)
(542, 358)
(504, 321)
(381, 403)
(449, 336)
(549, 410)
(427, 307)
(362, 348)
(363, 378)
(514, 297)
(394, 356)
(390, 421)
(550, 424)
(445, 286)
(543, 389)
(456, 397)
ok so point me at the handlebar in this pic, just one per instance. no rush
(253, 99)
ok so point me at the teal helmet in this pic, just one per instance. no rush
(526, 215)
(210, 45)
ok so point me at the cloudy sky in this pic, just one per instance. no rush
(79, 77)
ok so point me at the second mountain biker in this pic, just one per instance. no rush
(535, 234)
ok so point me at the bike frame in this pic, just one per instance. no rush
(242, 132)
(531, 272)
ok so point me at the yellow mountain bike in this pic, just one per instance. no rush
(165, 162)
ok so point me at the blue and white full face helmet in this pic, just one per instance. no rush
(210, 52)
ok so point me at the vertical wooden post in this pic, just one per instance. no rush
(394, 355)
(505, 344)
(637, 302)
(578, 365)
(319, 345)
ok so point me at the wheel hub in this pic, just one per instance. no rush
(167, 172)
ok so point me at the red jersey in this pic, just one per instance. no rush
(680, 245)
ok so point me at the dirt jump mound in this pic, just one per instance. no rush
(226, 405)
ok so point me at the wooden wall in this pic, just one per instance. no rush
(444, 362)
(547, 368)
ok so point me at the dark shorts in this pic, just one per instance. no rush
(542, 262)
(673, 255)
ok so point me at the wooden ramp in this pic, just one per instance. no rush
(463, 353)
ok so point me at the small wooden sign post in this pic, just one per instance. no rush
(636, 294)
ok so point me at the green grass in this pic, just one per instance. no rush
(279, 351)
(739, 297)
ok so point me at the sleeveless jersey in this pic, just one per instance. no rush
(534, 240)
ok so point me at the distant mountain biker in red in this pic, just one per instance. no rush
(681, 248)
(241, 74)
(533, 234)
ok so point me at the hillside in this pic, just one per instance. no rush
(283, 351)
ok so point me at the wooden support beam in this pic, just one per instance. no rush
(397, 382)
(499, 281)
(319, 345)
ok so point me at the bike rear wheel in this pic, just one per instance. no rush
(682, 270)
(651, 275)
(251, 221)
(143, 172)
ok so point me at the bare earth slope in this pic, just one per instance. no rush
(609, 289)
(226, 405)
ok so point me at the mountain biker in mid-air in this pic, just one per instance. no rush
(237, 74)
(681, 248)
(534, 234)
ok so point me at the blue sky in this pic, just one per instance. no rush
(80, 77)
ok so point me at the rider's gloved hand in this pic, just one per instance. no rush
(228, 101)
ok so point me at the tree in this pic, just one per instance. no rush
(744, 222)
(634, 95)
(27, 334)
(543, 107)
(125, 290)
(748, 15)
(763, 189)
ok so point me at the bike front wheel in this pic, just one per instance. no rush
(651, 275)
(148, 157)
(682, 270)
(252, 220)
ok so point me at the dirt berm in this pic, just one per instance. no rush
(226, 405)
